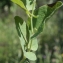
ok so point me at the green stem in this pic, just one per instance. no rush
(32, 16)
(31, 25)
(32, 21)
(29, 14)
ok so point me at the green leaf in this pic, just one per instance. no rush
(24, 1)
(20, 3)
(34, 44)
(30, 55)
(22, 43)
(44, 13)
(30, 4)
(23, 38)
(21, 29)
(17, 21)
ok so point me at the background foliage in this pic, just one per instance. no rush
(50, 40)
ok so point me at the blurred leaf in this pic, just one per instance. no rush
(20, 3)
(30, 55)
(45, 13)
(19, 19)
(24, 1)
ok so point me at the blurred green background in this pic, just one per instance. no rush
(50, 40)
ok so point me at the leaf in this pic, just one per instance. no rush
(20, 3)
(22, 43)
(30, 4)
(45, 13)
(24, 1)
(21, 29)
(23, 35)
(34, 44)
(30, 55)
(17, 21)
